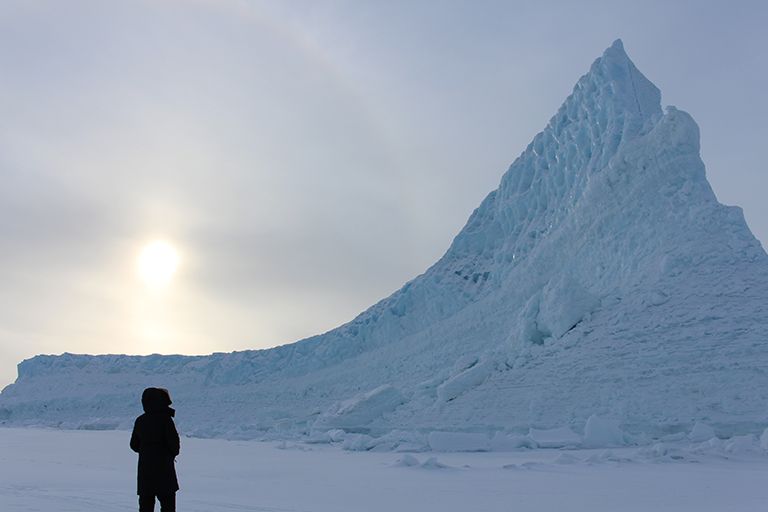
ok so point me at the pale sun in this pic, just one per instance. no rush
(157, 263)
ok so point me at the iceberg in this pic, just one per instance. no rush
(602, 278)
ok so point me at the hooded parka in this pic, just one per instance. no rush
(156, 441)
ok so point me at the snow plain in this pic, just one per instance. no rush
(57, 470)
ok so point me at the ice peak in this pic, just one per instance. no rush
(610, 107)
(615, 83)
(616, 53)
(618, 45)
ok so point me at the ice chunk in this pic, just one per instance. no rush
(504, 443)
(400, 441)
(458, 442)
(660, 449)
(319, 438)
(501, 443)
(429, 387)
(701, 432)
(594, 459)
(465, 362)
(673, 438)
(600, 432)
(742, 444)
(364, 408)
(564, 303)
(433, 463)
(566, 458)
(356, 442)
(764, 440)
(465, 381)
(555, 438)
(408, 461)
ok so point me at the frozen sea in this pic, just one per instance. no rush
(55, 471)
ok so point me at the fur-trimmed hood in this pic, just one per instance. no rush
(157, 400)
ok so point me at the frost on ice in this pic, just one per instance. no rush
(601, 295)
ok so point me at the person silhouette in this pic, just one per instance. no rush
(156, 441)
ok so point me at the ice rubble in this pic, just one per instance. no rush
(602, 279)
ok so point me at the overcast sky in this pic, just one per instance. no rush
(305, 158)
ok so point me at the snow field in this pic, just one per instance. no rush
(56, 471)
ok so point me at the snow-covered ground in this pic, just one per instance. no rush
(56, 470)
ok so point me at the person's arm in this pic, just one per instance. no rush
(135, 440)
(172, 438)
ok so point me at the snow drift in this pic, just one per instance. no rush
(602, 279)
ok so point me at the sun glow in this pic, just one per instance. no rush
(157, 263)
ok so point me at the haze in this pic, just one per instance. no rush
(304, 159)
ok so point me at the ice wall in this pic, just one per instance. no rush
(601, 277)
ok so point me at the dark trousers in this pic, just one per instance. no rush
(167, 502)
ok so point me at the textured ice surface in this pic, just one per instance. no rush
(601, 278)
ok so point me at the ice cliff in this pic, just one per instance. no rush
(601, 279)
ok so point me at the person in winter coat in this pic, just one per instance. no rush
(156, 441)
